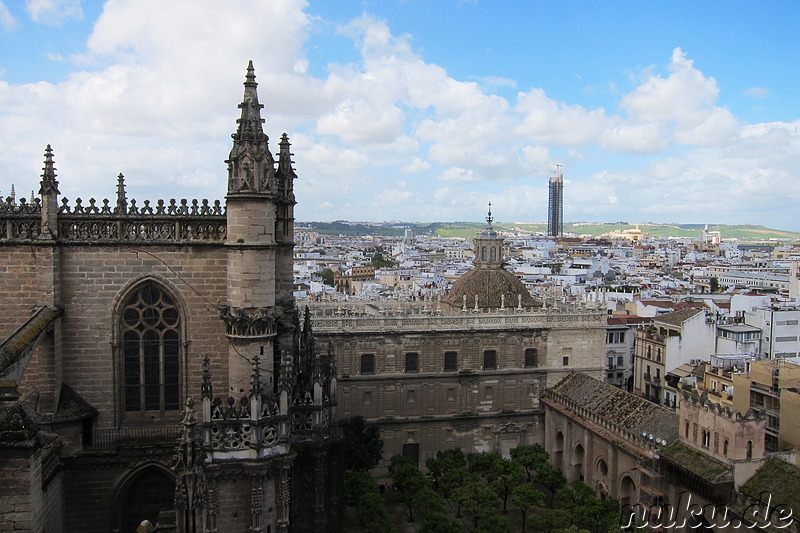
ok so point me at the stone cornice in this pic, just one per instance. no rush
(466, 322)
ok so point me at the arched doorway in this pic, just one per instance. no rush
(627, 491)
(577, 462)
(142, 496)
(558, 453)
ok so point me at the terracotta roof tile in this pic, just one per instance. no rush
(677, 318)
(621, 409)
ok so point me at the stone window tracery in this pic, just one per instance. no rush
(151, 341)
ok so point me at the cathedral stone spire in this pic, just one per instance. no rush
(122, 198)
(286, 174)
(48, 184)
(251, 167)
(48, 189)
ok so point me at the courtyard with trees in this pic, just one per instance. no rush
(473, 493)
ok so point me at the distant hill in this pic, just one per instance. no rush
(745, 233)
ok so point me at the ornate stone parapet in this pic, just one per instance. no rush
(173, 222)
(20, 220)
(457, 321)
(248, 429)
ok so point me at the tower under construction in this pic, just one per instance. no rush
(555, 208)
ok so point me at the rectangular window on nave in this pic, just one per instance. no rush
(450, 361)
(531, 358)
(368, 363)
(412, 362)
(490, 360)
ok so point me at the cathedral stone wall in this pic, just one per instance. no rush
(30, 491)
(93, 280)
(20, 286)
(594, 457)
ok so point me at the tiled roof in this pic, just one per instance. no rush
(664, 304)
(615, 320)
(697, 462)
(778, 478)
(488, 285)
(619, 408)
(677, 318)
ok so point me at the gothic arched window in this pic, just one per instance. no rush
(151, 342)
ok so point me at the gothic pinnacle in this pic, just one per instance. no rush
(48, 183)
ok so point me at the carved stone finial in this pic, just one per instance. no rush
(48, 185)
(122, 199)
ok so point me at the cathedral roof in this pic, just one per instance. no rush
(699, 463)
(489, 285)
(619, 408)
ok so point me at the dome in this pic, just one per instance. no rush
(489, 285)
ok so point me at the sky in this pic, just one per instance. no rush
(418, 110)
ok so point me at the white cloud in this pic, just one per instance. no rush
(54, 12)
(416, 165)
(138, 103)
(391, 197)
(550, 122)
(494, 82)
(7, 20)
(683, 101)
(359, 121)
(459, 175)
(757, 93)
(635, 138)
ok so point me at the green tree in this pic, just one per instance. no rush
(530, 456)
(713, 285)
(489, 522)
(588, 511)
(552, 478)
(571, 529)
(379, 260)
(363, 446)
(439, 522)
(415, 489)
(362, 492)
(447, 470)
(327, 276)
(476, 500)
(525, 497)
(504, 475)
(551, 520)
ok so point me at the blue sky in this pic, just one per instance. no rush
(418, 110)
